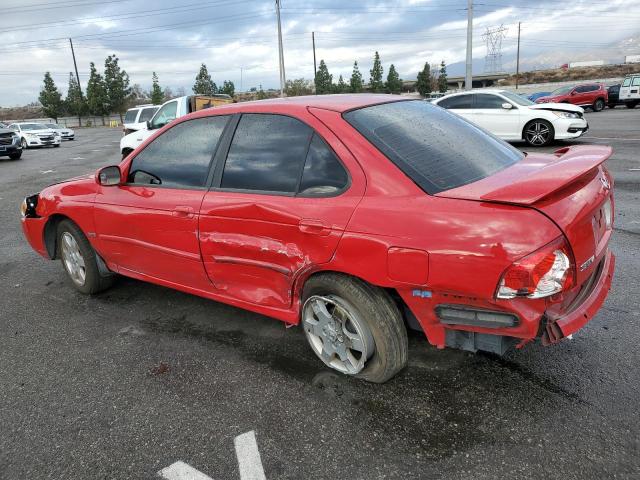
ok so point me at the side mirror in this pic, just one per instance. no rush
(148, 124)
(507, 106)
(109, 176)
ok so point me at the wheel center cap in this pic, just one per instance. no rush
(333, 333)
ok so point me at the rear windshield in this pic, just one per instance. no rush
(437, 149)
(130, 117)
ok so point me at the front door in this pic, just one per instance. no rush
(489, 113)
(149, 225)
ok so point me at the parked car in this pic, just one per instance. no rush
(65, 133)
(514, 118)
(10, 144)
(351, 215)
(592, 95)
(534, 96)
(630, 90)
(136, 118)
(168, 112)
(35, 135)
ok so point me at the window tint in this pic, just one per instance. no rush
(457, 102)
(323, 173)
(267, 154)
(485, 100)
(180, 157)
(433, 147)
(166, 114)
(130, 117)
(147, 113)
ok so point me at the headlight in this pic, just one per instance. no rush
(23, 208)
(28, 206)
(15, 138)
(566, 114)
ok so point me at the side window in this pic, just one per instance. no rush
(147, 113)
(166, 114)
(180, 157)
(582, 89)
(130, 116)
(323, 173)
(627, 82)
(485, 100)
(592, 88)
(636, 82)
(267, 154)
(456, 103)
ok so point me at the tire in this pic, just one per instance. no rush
(15, 156)
(71, 242)
(538, 133)
(364, 322)
(598, 105)
(24, 143)
(631, 104)
(612, 105)
(56, 145)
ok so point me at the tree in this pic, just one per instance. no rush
(228, 87)
(323, 79)
(261, 95)
(167, 94)
(298, 87)
(442, 78)
(50, 98)
(423, 85)
(74, 103)
(375, 82)
(342, 87)
(157, 96)
(204, 85)
(116, 83)
(394, 83)
(97, 98)
(180, 92)
(355, 83)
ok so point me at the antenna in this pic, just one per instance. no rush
(493, 38)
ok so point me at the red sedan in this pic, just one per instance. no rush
(356, 216)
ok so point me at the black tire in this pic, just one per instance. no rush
(631, 104)
(598, 105)
(24, 143)
(612, 105)
(378, 312)
(534, 133)
(15, 156)
(57, 145)
(94, 281)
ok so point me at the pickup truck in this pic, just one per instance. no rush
(169, 111)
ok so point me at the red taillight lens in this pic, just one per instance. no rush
(543, 273)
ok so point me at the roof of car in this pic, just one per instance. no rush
(338, 103)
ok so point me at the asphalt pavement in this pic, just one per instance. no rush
(128, 382)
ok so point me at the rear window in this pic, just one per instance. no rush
(435, 148)
(130, 117)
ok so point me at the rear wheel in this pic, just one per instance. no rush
(612, 105)
(57, 145)
(538, 133)
(353, 327)
(631, 104)
(598, 105)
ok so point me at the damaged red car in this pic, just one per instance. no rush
(355, 216)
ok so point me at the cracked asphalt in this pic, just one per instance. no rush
(127, 382)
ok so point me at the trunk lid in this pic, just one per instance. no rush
(571, 187)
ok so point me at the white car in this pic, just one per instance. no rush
(65, 133)
(35, 134)
(515, 118)
(630, 90)
(136, 118)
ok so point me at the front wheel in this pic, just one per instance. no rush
(538, 133)
(57, 145)
(631, 104)
(598, 105)
(24, 144)
(353, 327)
(15, 156)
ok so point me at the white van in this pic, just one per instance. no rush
(630, 90)
(136, 118)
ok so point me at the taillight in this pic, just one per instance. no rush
(545, 272)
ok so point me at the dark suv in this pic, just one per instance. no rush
(10, 144)
(592, 95)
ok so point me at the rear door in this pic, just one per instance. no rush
(489, 114)
(281, 200)
(460, 104)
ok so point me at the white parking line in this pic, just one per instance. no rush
(77, 158)
(249, 462)
(182, 471)
(612, 138)
(96, 150)
(46, 171)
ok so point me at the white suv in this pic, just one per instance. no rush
(136, 118)
(630, 90)
(35, 134)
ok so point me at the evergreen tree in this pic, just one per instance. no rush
(228, 87)
(423, 85)
(394, 83)
(355, 83)
(116, 83)
(157, 95)
(342, 87)
(323, 80)
(204, 85)
(97, 98)
(442, 78)
(74, 103)
(50, 98)
(375, 82)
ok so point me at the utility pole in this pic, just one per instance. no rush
(281, 53)
(468, 80)
(75, 65)
(313, 40)
(518, 58)
(241, 79)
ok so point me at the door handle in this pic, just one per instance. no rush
(183, 211)
(315, 227)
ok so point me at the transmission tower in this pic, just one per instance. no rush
(493, 38)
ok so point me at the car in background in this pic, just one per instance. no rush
(588, 95)
(347, 215)
(10, 144)
(35, 135)
(136, 118)
(630, 90)
(514, 118)
(433, 96)
(65, 133)
(534, 96)
(3, 125)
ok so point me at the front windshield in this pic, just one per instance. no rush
(52, 125)
(562, 91)
(33, 126)
(517, 99)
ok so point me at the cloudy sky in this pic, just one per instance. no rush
(237, 38)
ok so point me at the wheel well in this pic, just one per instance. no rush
(50, 233)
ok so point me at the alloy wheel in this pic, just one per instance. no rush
(24, 144)
(537, 133)
(73, 259)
